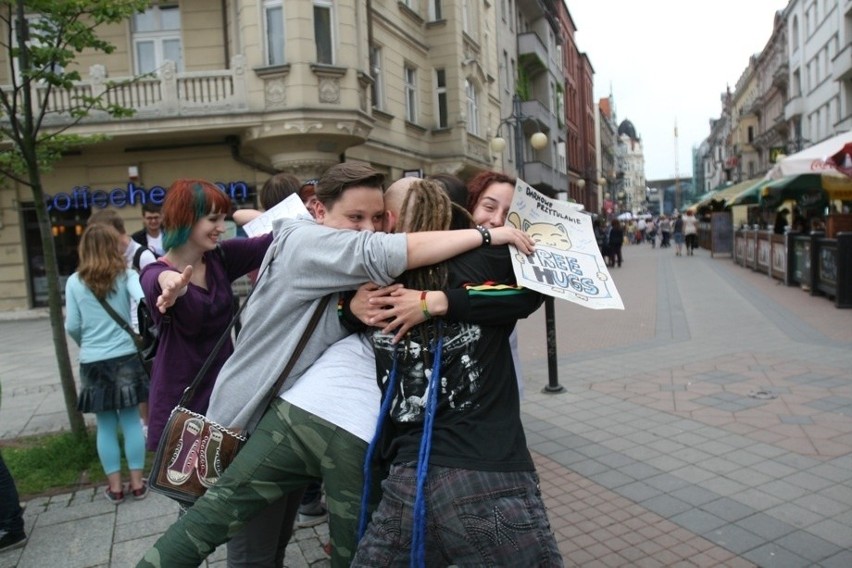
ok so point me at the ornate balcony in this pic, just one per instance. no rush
(781, 76)
(170, 94)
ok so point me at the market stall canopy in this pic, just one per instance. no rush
(813, 160)
(725, 195)
(750, 195)
(805, 189)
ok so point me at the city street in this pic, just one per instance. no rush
(707, 424)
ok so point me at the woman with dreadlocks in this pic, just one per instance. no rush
(462, 487)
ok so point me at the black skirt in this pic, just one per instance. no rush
(112, 384)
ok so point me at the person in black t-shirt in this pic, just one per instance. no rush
(452, 434)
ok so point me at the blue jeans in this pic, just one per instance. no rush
(11, 515)
(474, 518)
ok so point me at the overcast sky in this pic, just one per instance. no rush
(667, 61)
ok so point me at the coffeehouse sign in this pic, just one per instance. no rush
(84, 197)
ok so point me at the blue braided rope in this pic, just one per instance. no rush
(363, 518)
(418, 539)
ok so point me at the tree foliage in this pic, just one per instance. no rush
(41, 40)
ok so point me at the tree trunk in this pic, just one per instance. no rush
(54, 299)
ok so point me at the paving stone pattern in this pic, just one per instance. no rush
(708, 424)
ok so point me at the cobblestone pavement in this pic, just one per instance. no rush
(708, 424)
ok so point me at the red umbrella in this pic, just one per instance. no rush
(842, 160)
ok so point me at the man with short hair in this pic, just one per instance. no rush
(151, 236)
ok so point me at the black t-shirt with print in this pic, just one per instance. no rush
(477, 424)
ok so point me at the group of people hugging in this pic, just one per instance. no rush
(404, 401)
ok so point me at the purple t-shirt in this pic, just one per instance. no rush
(193, 326)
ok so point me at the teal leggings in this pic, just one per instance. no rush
(134, 441)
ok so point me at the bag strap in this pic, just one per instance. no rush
(312, 324)
(303, 341)
(190, 390)
(137, 339)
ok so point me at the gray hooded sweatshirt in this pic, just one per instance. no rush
(310, 261)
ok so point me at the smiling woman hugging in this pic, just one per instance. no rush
(190, 286)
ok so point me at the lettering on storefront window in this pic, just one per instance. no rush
(84, 197)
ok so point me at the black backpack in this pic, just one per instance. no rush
(149, 332)
(137, 257)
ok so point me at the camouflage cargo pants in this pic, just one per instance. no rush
(290, 448)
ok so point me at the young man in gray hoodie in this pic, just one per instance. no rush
(294, 278)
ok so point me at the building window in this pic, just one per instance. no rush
(560, 106)
(410, 82)
(561, 157)
(377, 90)
(506, 78)
(323, 31)
(273, 26)
(435, 11)
(466, 16)
(472, 107)
(441, 92)
(33, 22)
(156, 38)
(750, 134)
(795, 33)
(411, 4)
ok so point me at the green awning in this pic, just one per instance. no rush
(750, 195)
(805, 189)
(727, 194)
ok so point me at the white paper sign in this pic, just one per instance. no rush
(567, 263)
(290, 208)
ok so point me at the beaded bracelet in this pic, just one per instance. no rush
(340, 307)
(423, 307)
(486, 235)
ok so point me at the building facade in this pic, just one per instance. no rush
(795, 93)
(235, 91)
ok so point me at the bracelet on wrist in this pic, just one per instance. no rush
(423, 307)
(486, 235)
(340, 307)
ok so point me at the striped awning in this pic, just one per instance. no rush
(727, 194)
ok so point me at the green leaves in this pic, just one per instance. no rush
(44, 49)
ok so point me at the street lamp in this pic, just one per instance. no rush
(538, 140)
(516, 121)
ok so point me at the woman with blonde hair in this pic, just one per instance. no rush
(111, 373)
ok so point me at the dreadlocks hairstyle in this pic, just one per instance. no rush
(187, 201)
(426, 207)
(100, 260)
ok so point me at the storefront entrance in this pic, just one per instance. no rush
(66, 226)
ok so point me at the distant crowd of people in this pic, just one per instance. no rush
(614, 233)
